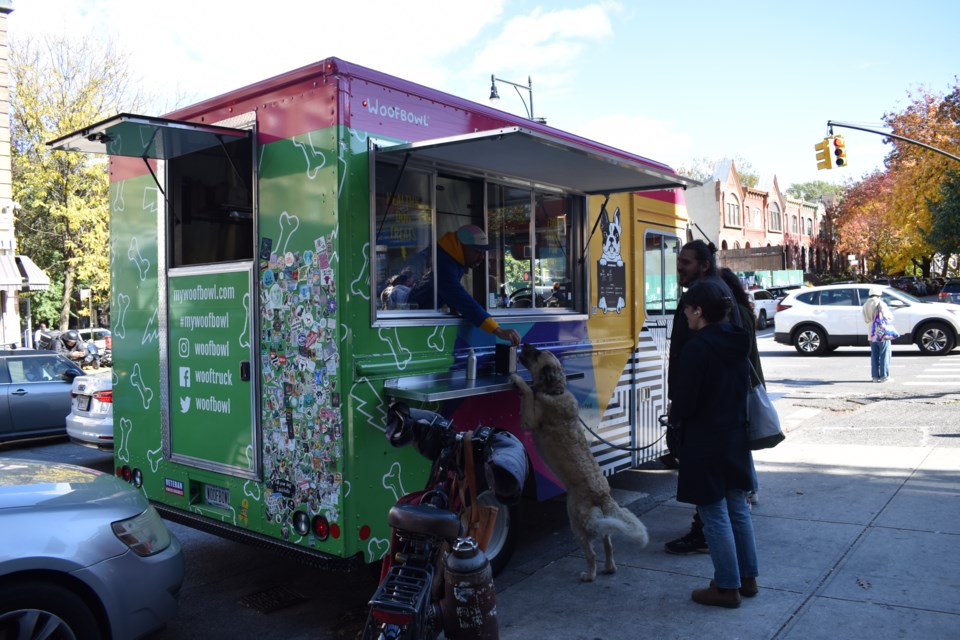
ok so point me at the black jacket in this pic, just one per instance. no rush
(710, 403)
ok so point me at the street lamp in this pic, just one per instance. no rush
(494, 95)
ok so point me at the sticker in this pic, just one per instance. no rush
(173, 486)
(266, 244)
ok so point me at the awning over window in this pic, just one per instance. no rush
(136, 136)
(19, 273)
(34, 278)
(540, 158)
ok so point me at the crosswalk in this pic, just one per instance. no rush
(941, 372)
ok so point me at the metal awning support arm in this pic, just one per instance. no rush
(596, 223)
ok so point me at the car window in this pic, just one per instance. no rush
(36, 369)
(839, 298)
(762, 295)
(810, 297)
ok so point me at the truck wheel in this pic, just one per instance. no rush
(33, 607)
(503, 542)
(936, 338)
(810, 341)
(762, 320)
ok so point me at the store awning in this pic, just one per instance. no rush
(34, 278)
(20, 273)
(541, 158)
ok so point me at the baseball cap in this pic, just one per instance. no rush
(875, 291)
(470, 235)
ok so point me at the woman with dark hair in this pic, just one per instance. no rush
(696, 262)
(715, 468)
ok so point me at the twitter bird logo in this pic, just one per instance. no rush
(184, 404)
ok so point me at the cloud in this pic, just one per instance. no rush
(658, 140)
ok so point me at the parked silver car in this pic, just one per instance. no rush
(34, 393)
(82, 555)
(90, 422)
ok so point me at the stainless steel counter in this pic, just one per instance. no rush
(439, 387)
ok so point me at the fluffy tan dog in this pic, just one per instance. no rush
(552, 413)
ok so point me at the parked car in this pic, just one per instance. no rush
(886, 282)
(950, 292)
(912, 285)
(34, 393)
(90, 422)
(100, 337)
(781, 292)
(82, 555)
(764, 306)
(820, 319)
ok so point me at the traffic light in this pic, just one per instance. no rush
(823, 154)
(839, 151)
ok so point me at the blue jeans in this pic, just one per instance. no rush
(728, 528)
(880, 359)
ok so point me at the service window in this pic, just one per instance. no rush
(661, 286)
(534, 237)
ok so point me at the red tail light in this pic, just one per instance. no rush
(108, 342)
(321, 527)
(783, 307)
(942, 295)
(104, 396)
(391, 617)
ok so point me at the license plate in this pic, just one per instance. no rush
(83, 403)
(217, 496)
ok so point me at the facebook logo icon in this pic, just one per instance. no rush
(184, 376)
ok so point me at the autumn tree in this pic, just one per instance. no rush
(944, 232)
(866, 225)
(702, 169)
(918, 173)
(60, 85)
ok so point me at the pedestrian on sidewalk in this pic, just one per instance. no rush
(715, 462)
(880, 350)
(696, 262)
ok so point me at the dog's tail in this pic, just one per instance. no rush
(620, 520)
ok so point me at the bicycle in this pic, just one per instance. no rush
(435, 578)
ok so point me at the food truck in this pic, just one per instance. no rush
(260, 242)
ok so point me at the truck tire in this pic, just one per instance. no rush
(935, 338)
(810, 341)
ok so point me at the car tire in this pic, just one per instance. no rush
(503, 542)
(810, 341)
(935, 338)
(762, 320)
(32, 606)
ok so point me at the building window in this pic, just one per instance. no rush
(733, 212)
(775, 223)
(810, 227)
(757, 219)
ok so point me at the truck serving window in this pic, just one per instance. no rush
(529, 268)
(210, 212)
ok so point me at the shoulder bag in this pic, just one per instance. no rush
(763, 423)
(883, 328)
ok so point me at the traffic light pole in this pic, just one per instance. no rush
(844, 125)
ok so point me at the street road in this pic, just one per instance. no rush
(230, 587)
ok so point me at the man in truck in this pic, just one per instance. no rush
(458, 251)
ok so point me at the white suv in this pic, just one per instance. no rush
(764, 306)
(820, 319)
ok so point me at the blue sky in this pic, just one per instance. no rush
(670, 81)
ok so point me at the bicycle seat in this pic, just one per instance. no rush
(424, 519)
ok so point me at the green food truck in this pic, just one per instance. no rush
(255, 242)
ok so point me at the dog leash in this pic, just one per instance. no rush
(618, 446)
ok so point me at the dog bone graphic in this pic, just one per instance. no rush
(356, 287)
(391, 480)
(126, 425)
(123, 302)
(288, 225)
(118, 203)
(397, 348)
(244, 339)
(146, 393)
(437, 340)
(311, 155)
(134, 254)
(154, 457)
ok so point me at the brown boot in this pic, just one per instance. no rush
(715, 597)
(748, 587)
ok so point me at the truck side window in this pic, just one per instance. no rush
(661, 287)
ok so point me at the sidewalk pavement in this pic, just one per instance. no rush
(854, 541)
